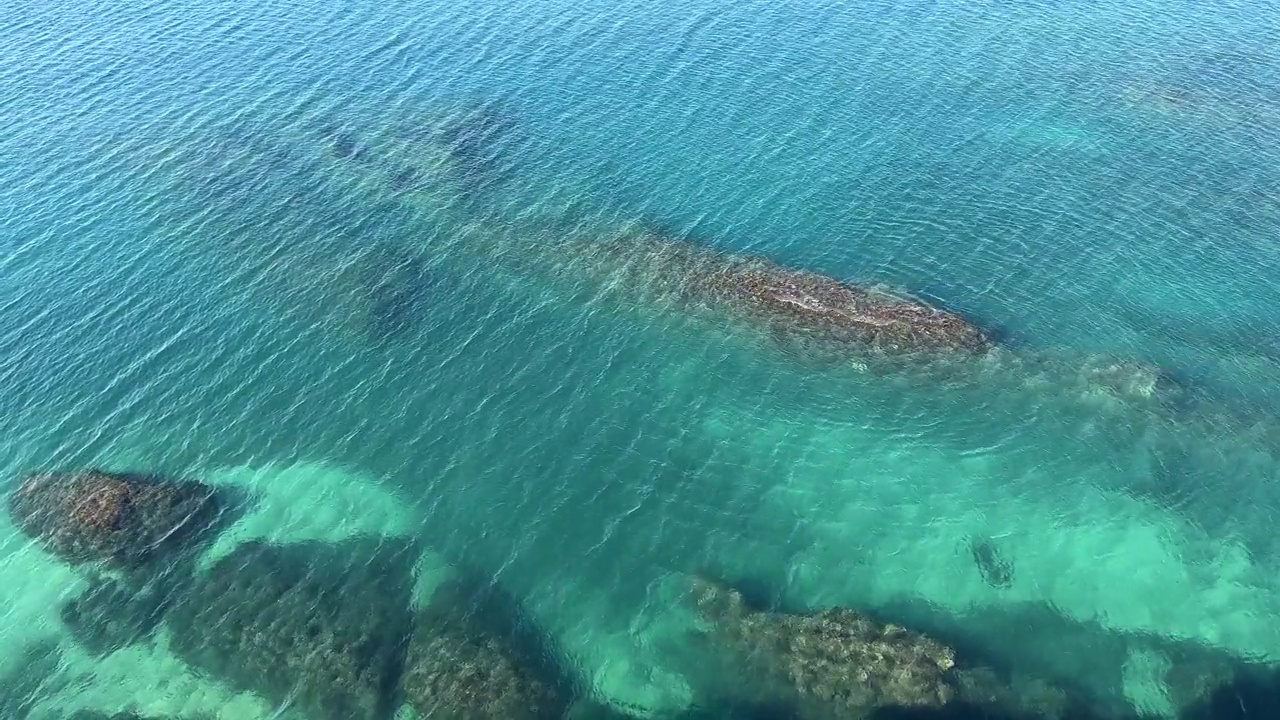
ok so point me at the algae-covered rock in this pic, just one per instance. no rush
(828, 665)
(794, 307)
(317, 626)
(473, 657)
(802, 302)
(122, 520)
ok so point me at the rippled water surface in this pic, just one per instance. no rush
(407, 271)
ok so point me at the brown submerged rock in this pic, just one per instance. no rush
(472, 659)
(840, 664)
(122, 520)
(791, 305)
(316, 626)
(796, 301)
(829, 665)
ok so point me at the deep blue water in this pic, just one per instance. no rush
(189, 281)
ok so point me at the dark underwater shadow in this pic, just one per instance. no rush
(486, 608)
(1254, 695)
(35, 674)
(399, 287)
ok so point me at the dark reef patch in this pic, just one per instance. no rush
(475, 655)
(995, 569)
(123, 520)
(399, 286)
(815, 313)
(111, 614)
(321, 627)
(840, 663)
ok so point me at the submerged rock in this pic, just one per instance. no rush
(112, 614)
(794, 307)
(320, 627)
(833, 664)
(796, 302)
(122, 520)
(398, 288)
(840, 664)
(472, 657)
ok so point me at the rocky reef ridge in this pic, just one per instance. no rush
(127, 521)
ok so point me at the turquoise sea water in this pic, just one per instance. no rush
(191, 265)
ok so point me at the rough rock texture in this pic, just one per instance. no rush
(827, 665)
(122, 520)
(795, 301)
(111, 614)
(473, 658)
(793, 306)
(320, 627)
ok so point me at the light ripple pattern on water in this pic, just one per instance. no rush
(198, 277)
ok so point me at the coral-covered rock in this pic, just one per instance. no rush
(829, 665)
(122, 520)
(472, 658)
(320, 627)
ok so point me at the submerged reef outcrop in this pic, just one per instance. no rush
(413, 159)
(398, 283)
(452, 150)
(121, 520)
(320, 627)
(842, 664)
(806, 304)
(474, 656)
(795, 307)
(832, 664)
(111, 614)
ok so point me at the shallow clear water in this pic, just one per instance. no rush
(191, 256)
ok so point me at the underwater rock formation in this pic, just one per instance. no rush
(438, 159)
(841, 664)
(457, 145)
(398, 283)
(807, 304)
(793, 306)
(321, 627)
(473, 657)
(832, 664)
(112, 614)
(122, 520)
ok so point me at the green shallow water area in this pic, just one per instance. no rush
(535, 305)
